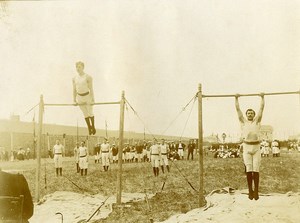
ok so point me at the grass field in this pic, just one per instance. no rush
(277, 175)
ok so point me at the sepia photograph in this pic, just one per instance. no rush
(134, 111)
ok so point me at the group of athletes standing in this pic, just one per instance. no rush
(156, 152)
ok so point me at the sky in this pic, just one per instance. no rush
(157, 52)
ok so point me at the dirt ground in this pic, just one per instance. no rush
(222, 206)
(235, 207)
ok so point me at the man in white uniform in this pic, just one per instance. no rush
(251, 147)
(155, 157)
(83, 94)
(266, 148)
(105, 149)
(180, 149)
(83, 158)
(275, 148)
(164, 150)
(58, 151)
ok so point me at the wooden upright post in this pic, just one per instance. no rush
(120, 149)
(38, 151)
(200, 147)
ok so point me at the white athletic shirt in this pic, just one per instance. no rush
(58, 149)
(154, 149)
(275, 144)
(105, 147)
(163, 149)
(250, 126)
(81, 84)
(83, 151)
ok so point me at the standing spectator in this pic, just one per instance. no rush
(155, 155)
(148, 155)
(132, 153)
(139, 152)
(105, 148)
(83, 94)
(172, 147)
(275, 148)
(127, 152)
(50, 153)
(58, 151)
(144, 146)
(266, 148)
(180, 148)
(251, 154)
(164, 150)
(15, 185)
(114, 151)
(191, 146)
(76, 157)
(97, 153)
(83, 158)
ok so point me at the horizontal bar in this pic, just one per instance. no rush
(97, 103)
(242, 95)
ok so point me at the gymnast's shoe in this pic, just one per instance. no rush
(251, 195)
(255, 195)
(93, 131)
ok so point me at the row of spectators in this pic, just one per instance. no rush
(140, 151)
(20, 154)
(232, 150)
(225, 150)
(294, 145)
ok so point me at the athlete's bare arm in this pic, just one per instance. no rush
(237, 107)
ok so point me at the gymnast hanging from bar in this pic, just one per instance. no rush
(83, 95)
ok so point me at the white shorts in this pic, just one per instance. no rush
(132, 155)
(180, 152)
(251, 157)
(86, 109)
(57, 160)
(155, 160)
(105, 159)
(97, 156)
(83, 162)
(127, 155)
(275, 150)
(164, 160)
(139, 156)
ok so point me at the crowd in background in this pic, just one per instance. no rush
(267, 148)
(20, 154)
(139, 151)
(225, 150)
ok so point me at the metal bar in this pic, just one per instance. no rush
(97, 103)
(242, 95)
